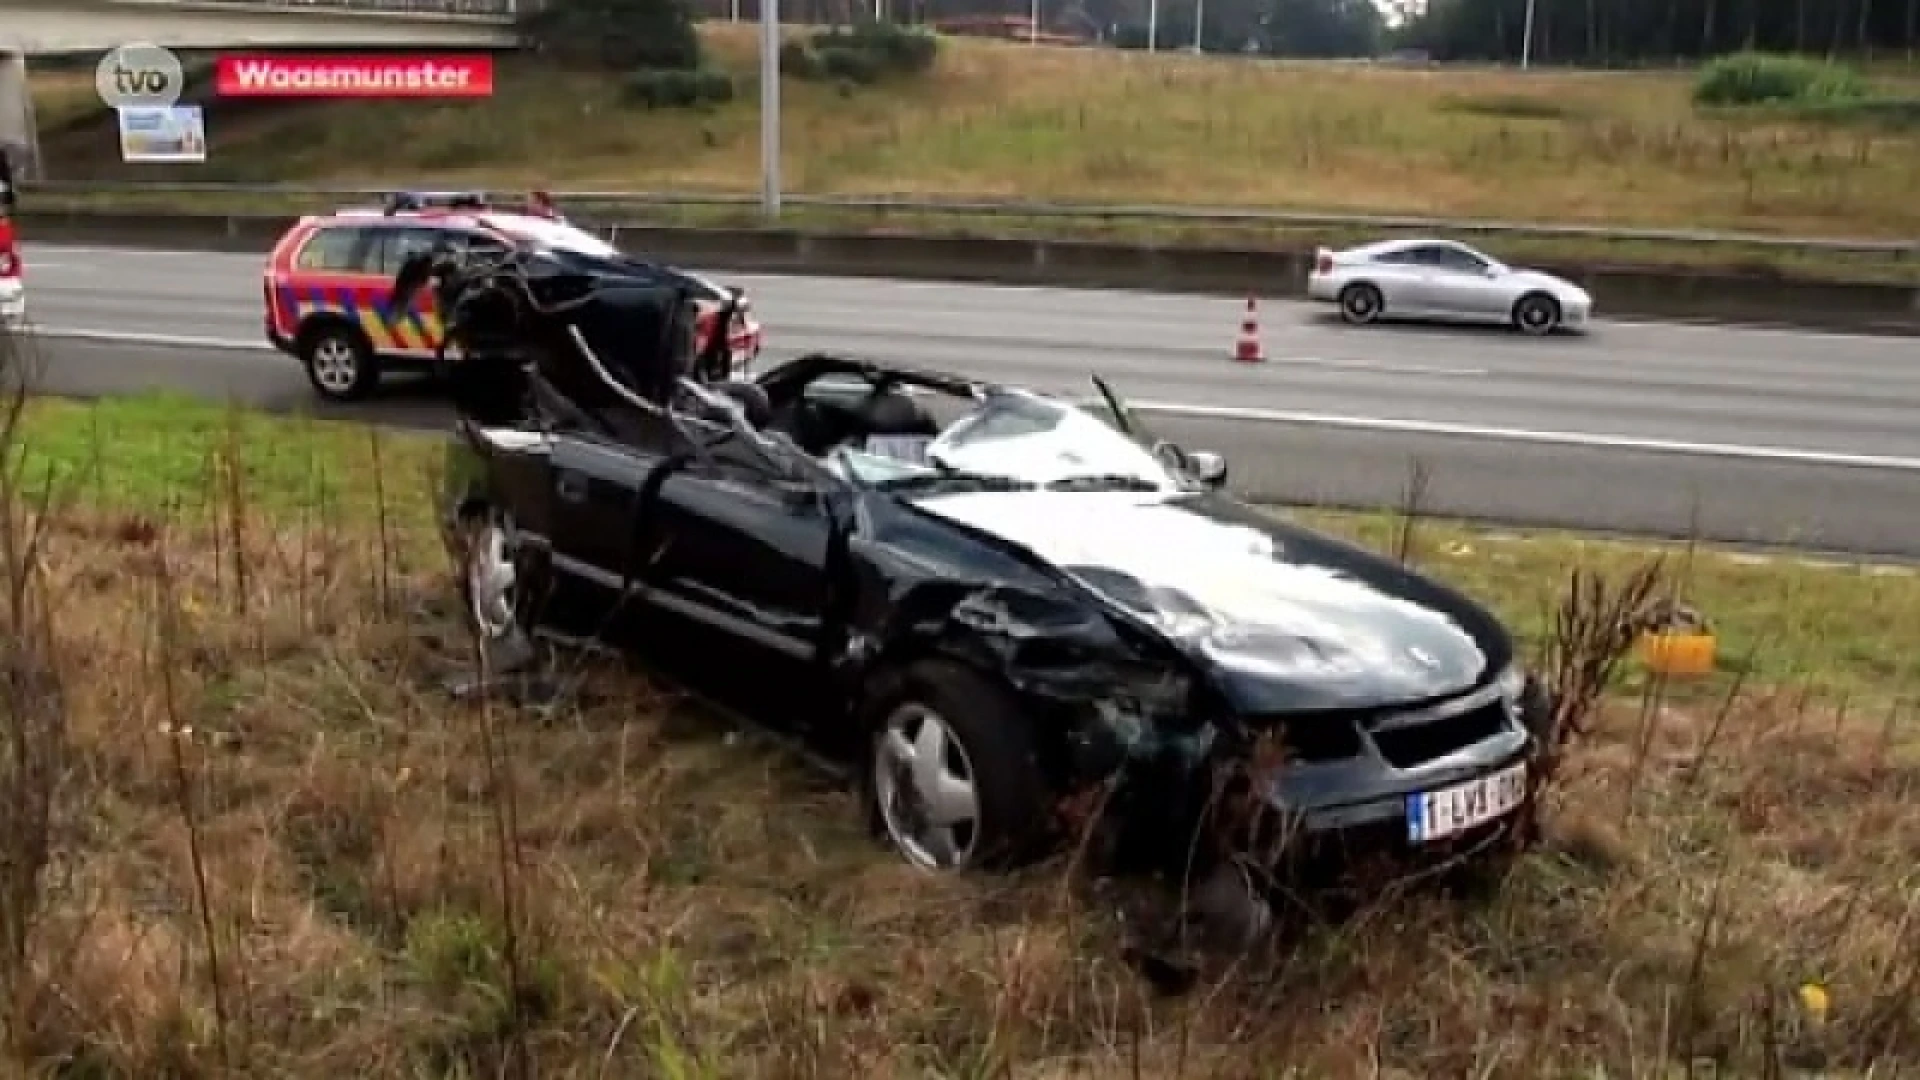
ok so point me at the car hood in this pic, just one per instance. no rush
(1281, 619)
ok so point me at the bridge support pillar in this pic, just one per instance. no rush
(19, 135)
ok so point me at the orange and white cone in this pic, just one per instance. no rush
(1247, 350)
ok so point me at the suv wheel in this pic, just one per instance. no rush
(952, 779)
(339, 362)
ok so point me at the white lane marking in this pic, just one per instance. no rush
(1370, 365)
(1182, 352)
(133, 337)
(1037, 292)
(127, 337)
(171, 253)
(1734, 451)
(1587, 440)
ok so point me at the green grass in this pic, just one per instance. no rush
(1781, 620)
(995, 121)
(164, 453)
(279, 847)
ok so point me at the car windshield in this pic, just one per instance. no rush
(1016, 439)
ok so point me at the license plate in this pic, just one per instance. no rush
(1435, 815)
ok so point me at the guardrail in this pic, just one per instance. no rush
(880, 205)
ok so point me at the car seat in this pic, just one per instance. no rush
(893, 424)
(750, 397)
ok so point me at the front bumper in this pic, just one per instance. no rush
(1325, 803)
(1336, 809)
(1576, 316)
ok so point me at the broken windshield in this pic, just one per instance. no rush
(1016, 438)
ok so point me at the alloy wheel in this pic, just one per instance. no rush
(336, 366)
(1537, 316)
(924, 787)
(491, 582)
(1360, 304)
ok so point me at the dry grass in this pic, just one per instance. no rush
(1009, 121)
(278, 847)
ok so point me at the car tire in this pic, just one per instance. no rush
(1536, 314)
(500, 589)
(983, 741)
(1361, 304)
(340, 362)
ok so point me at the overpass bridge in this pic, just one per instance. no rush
(61, 27)
(45, 27)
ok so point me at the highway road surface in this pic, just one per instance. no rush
(1760, 436)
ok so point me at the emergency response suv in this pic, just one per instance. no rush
(328, 280)
(13, 289)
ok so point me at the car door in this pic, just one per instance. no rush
(412, 329)
(738, 546)
(1403, 277)
(425, 307)
(597, 482)
(335, 266)
(1461, 285)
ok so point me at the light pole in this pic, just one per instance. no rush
(770, 109)
(1526, 39)
(1199, 20)
(1153, 25)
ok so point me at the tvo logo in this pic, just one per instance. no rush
(139, 76)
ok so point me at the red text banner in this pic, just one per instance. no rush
(369, 76)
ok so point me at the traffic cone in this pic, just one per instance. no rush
(1247, 350)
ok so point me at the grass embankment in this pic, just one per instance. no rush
(277, 842)
(1000, 121)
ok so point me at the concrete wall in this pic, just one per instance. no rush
(19, 138)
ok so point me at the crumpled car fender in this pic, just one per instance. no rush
(1097, 703)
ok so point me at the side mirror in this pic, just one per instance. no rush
(1208, 467)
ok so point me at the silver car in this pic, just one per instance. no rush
(1442, 279)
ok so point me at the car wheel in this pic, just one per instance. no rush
(953, 781)
(1360, 304)
(1537, 314)
(497, 587)
(339, 362)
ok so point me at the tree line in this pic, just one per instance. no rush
(1610, 33)
(1639, 32)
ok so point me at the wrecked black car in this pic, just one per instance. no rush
(1027, 620)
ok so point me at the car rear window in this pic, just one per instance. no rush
(398, 245)
(334, 248)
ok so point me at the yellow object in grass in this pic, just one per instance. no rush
(1677, 641)
(1813, 998)
(1678, 652)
